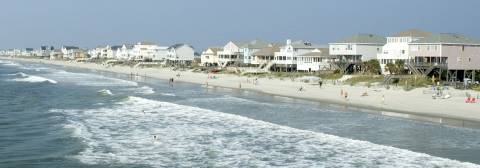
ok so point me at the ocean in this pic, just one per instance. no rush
(53, 116)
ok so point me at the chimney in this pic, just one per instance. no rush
(289, 41)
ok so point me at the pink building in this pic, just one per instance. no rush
(457, 54)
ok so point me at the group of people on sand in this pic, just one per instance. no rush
(254, 81)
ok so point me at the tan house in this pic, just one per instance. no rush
(209, 57)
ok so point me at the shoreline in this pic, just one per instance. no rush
(398, 103)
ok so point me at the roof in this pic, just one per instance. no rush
(305, 44)
(412, 33)
(267, 51)
(179, 45)
(115, 47)
(239, 44)
(364, 38)
(70, 47)
(449, 38)
(323, 52)
(215, 49)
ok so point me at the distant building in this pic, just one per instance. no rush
(144, 51)
(265, 55)
(357, 48)
(286, 58)
(69, 52)
(397, 47)
(232, 53)
(209, 57)
(317, 60)
(125, 52)
(56, 54)
(183, 54)
(445, 52)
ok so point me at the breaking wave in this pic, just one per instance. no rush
(22, 77)
(193, 137)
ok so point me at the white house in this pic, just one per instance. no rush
(357, 48)
(250, 48)
(161, 53)
(232, 53)
(112, 51)
(181, 54)
(125, 52)
(44, 51)
(69, 52)
(265, 55)
(56, 54)
(209, 57)
(286, 58)
(397, 47)
(144, 50)
(316, 60)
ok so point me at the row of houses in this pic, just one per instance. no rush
(422, 52)
(142, 51)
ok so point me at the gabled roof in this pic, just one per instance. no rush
(267, 51)
(215, 49)
(412, 33)
(304, 44)
(364, 38)
(116, 47)
(70, 47)
(448, 38)
(240, 44)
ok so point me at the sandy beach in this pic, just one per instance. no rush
(415, 104)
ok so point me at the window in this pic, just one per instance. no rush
(403, 51)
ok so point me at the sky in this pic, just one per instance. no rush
(204, 23)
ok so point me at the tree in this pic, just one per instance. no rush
(371, 66)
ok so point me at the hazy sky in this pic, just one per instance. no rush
(202, 23)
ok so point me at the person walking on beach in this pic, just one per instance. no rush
(320, 83)
(346, 96)
(300, 89)
(383, 99)
(341, 92)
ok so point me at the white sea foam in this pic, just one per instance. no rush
(105, 92)
(167, 94)
(144, 90)
(193, 137)
(86, 79)
(22, 77)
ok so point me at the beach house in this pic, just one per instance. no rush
(456, 54)
(69, 52)
(112, 51)
(144, 51)
(125, 52)
(265, 55)
(397, 47)
(358, 47)
(180, 54)
(161, 53)
(286, 58)
(56, 54)
(232, 53)
(249, 48)
(318, 59)
(209, 57)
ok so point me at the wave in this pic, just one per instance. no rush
(86, 79)
(105, 92)
(168, 94)
(22, 77)
(194, 137)
(144, 90)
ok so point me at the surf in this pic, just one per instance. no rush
(195, 137)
